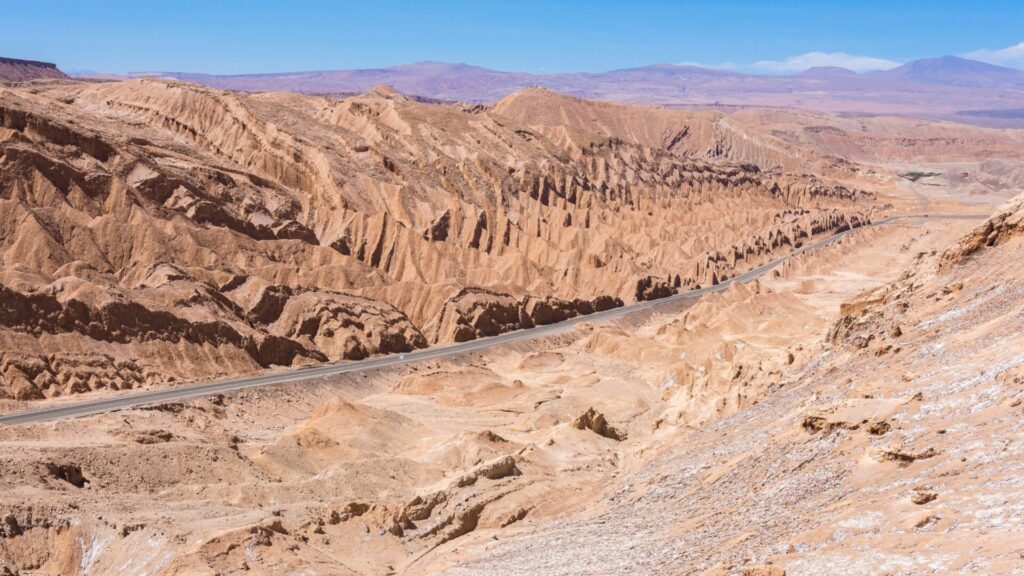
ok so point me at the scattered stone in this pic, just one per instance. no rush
(879, 428)
(927, 521)
(903, 457)
(923, 496)
(70, 473)
(349, 511)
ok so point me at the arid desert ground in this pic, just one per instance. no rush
(855, 410)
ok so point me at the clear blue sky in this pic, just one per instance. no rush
(531, 36)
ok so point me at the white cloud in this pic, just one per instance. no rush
(720, 66)
(810, 59)
(1012, 56)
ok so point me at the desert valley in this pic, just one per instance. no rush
(806, 356)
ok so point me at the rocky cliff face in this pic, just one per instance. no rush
(14, 70)
(182, 232)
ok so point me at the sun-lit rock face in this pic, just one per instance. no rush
(15, 70)
(178, 232)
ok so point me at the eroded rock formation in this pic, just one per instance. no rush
(188, 233)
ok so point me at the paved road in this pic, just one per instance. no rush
(134, 399)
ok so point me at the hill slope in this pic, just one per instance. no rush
(149, 222)
(889, 452)
(765, 429)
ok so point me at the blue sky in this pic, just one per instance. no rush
(530, 36)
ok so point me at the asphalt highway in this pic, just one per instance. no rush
(130, 399)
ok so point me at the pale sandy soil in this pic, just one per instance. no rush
(474, 465)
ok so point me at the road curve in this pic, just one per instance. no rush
(135, 399)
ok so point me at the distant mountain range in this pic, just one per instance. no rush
(947, 87)
(955, 71)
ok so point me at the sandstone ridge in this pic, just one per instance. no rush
(153, 221)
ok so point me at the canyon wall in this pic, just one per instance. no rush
(152, 231)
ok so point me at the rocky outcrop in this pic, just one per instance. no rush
(345, 327)
(27, 376)
(1005, 224)
(650, 288)
(114, 321)
(14, 70)
(873, 319)
(595, 422)
(456, 510)
(552, 310)
(118, 321)
(476, 313)
(277, 327)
